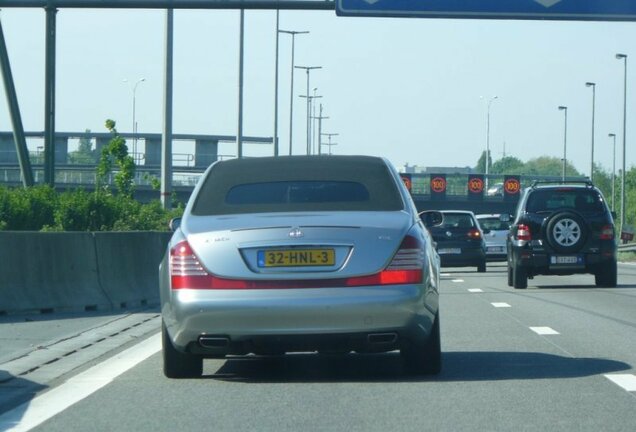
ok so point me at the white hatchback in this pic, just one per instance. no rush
(495, 228)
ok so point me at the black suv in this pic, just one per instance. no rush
(562, 229)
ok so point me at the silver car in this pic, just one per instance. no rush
(299, 254)
(495, 228)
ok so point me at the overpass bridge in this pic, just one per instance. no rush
(441, 191)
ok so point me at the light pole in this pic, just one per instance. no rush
(308, 69)
(239, 129)
(623, 57)
(593, 85)
(310, 131)
(134, 121)
(612, 135)
(565, 138)
(291, 92)
(488, 139)
(320, 118)
(276, 87)
(329, 135)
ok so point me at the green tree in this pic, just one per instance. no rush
(116, 153)
(481, 163)
(85, 153)
(507, 165)
(549, 166)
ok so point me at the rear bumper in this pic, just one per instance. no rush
(539, 262)
(273, 321)
(467, 257)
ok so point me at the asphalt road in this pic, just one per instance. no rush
(560, 355)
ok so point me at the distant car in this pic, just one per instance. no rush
(495, 190)
(495, 228)
(299, 253)
(459, 240)
(562, 229)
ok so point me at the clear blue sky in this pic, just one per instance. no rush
(407, 89)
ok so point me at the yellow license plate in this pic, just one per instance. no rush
(296, 258)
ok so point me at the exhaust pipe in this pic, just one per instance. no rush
(382, 338)
(214, 341)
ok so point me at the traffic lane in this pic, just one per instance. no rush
(590, 322)
(497, 375)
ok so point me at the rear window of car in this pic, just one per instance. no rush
(582, 200)
(287, 184)
(493, 224)
(457, 220)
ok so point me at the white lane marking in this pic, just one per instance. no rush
(500, 305)
(627, 381)
(31, 414)
(475, 290)
(458, 280)
(544, 331)
(445, 274)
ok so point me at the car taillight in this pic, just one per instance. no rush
(184, 266)
(474, 233)
(607, 232)
(405, 268)
(523, 232)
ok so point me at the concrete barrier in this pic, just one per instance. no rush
(128, 266)
(77, 271)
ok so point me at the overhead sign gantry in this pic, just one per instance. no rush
(582, 10)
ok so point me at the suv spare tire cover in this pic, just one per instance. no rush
(566, 231)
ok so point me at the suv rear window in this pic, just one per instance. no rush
(297, 183)
(457, 220)
(494, 224)
(582, 200)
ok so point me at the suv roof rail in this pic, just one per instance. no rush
(540, 182)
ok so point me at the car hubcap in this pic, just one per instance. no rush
(567, 232)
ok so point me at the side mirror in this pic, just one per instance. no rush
(485, 230)
(174, 224)
(431, 218)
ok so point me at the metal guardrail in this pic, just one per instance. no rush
(629, 247)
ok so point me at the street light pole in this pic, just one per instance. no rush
(308, 69)
(291, 92)
(612, 135)
(565, 139)
(134, 121)
(329, 135)
(320, 118)
(488, 139)
(593, 85)
(239, 129)
(310, 131)
(623, 57)
(276, 87)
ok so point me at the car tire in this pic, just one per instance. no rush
(606, 275)
(509, 275)
(425, 358)
(519, 277)
(481, 267)
(177, 364)
(566, 232)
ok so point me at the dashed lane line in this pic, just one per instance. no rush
(500, 305)
(458, 280)
(544, 331)
(626, 381)
(475, 290)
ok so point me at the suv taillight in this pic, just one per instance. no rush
(523, 232)
(607, 232)
(474, 233)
